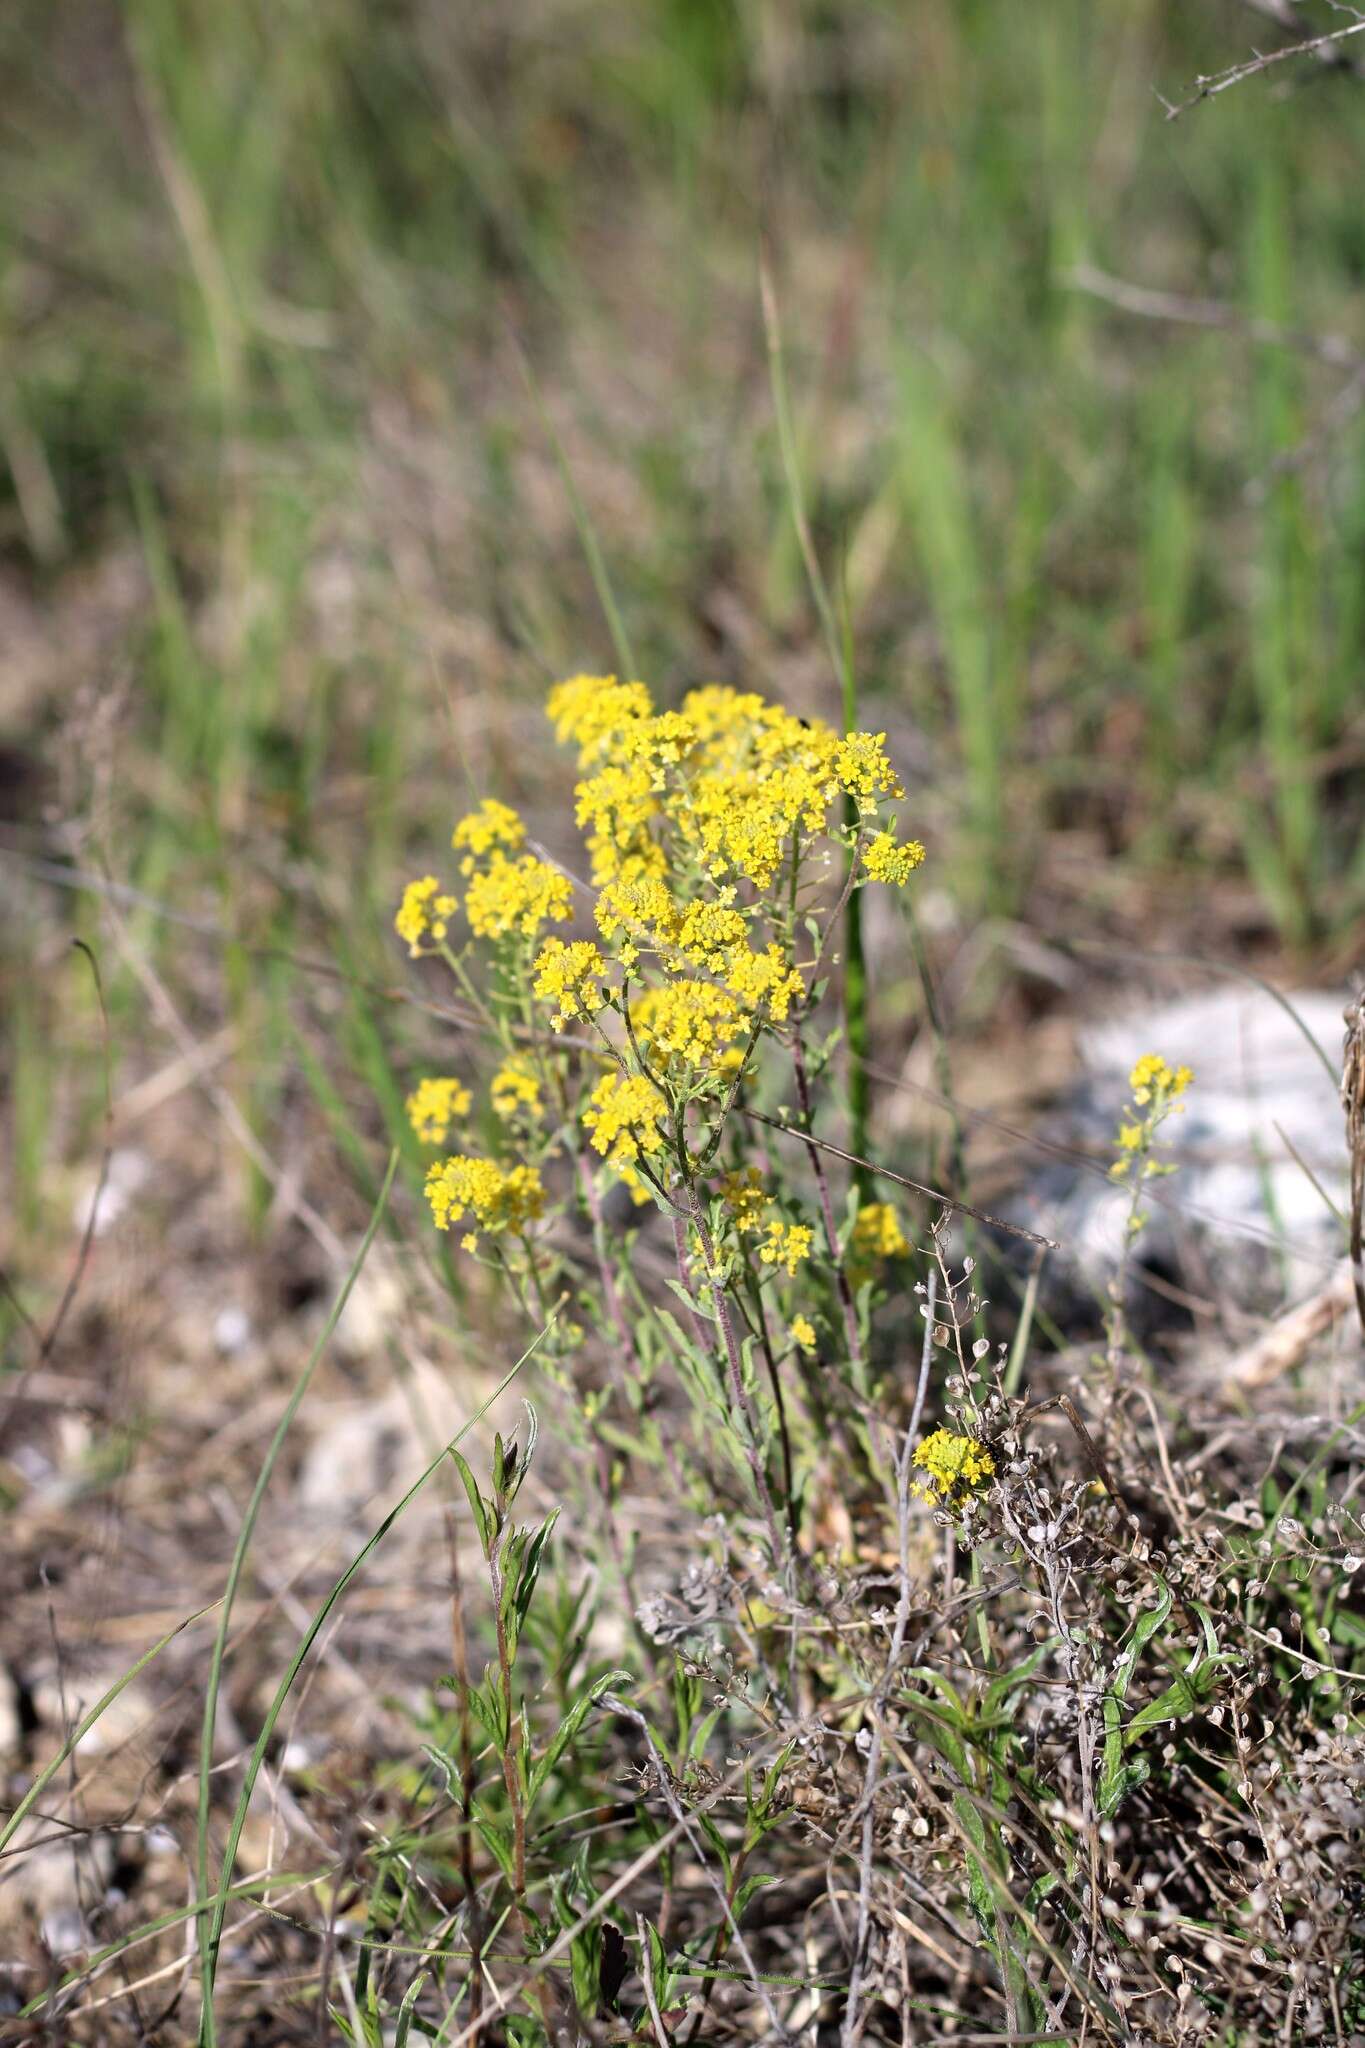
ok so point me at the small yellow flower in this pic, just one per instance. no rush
(956, 1466)
(803, 1332)
(788, 1244)
(888, 860)
(517, 896)
(493, 828)
(616, 806)
(424, 911)
(498, 1199)
(515, 1089)
(571, 977)
(434, 1106)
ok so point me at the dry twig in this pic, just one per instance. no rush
(1220, 81)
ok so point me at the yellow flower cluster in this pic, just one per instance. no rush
(500, 1199)
(515, 1089)
(517, 896)
(434, 1106)
(731, 779)
(693, 1022)
(886, 859)
(637, 903)
(425, 911)
(625, 1116)
(956, 1467)
(1152, 1077)
(787, 1245)
(571, 977)
(877, 1235)
(618, 805)
(862, 769)
(492, 828)
(707, 932)
(745, 1196)
(763, 978)
(803, 1332)
(1157, 1088)
(593, 712)
(692, 816)
(661, 742)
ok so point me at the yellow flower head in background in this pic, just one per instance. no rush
(493, 828)
(499, 1199)
(616, 806)
(877, 1235)
(956, 1466)
(660, 742)
(1157, 1088)
(515, 1089)
(425, 911)
(803, 1332)
(517, 896)
(434, 1106)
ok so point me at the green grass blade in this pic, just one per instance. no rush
(310, 1636)
(282, 1429)
(587, 534)
(79, 1733)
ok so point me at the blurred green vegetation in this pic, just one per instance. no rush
(289, 297)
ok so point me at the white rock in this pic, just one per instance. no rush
(1262, 1121)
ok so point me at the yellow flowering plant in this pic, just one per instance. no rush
(639, 1164)
(635, 1016)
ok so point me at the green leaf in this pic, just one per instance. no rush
(753, 1884)
(1185, 1697)
(717, 1841)
(405, 2010)
(999, 1693)
(483, 1519)
(497, 1842)
(1115, 1785)
(530, 1571)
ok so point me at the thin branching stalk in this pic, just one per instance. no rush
(746, 1415)
(852, 1336)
